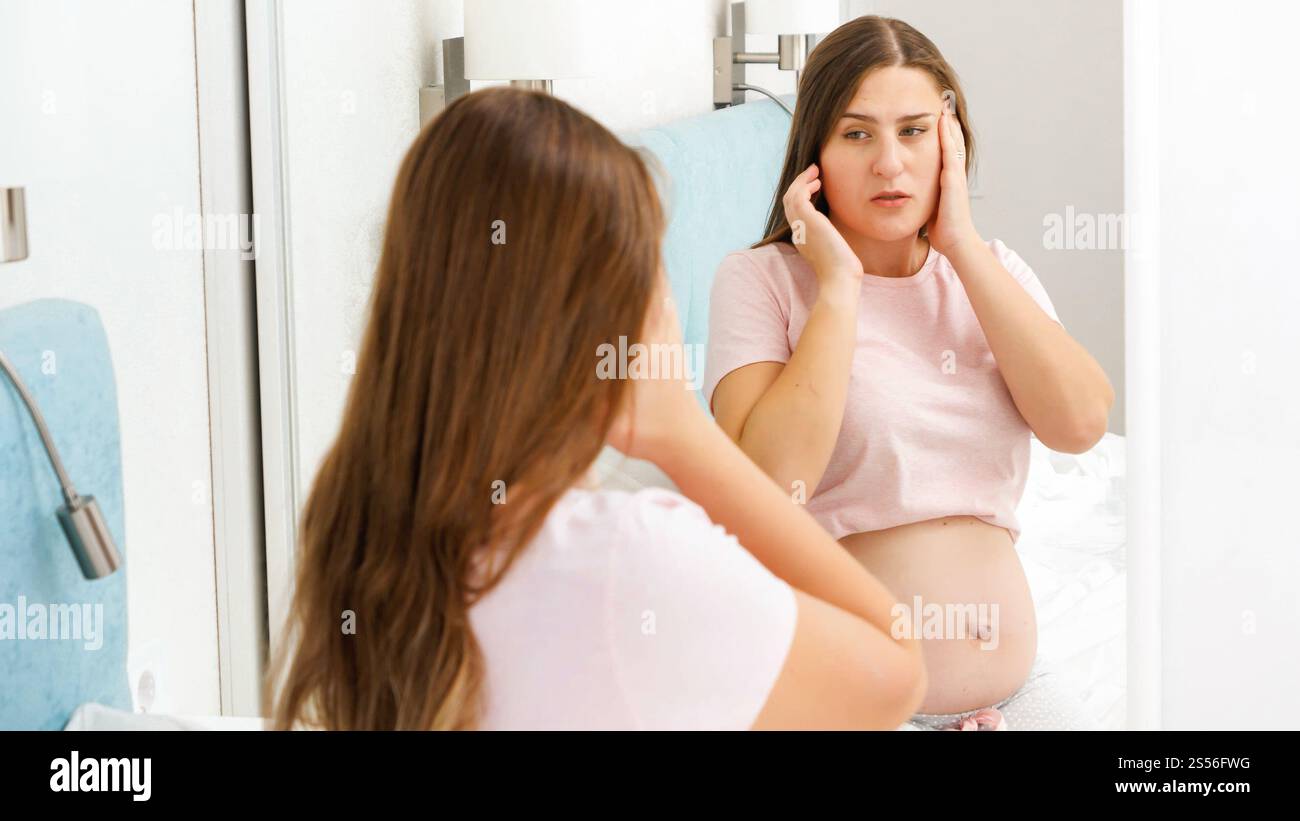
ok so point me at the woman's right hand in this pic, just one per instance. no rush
(830, 255)
(660, 415)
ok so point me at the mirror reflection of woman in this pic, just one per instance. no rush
(457, 569)
(875, 354)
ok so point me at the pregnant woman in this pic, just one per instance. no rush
(880, 360)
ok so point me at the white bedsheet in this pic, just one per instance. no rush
(1072, 548)
(93, 716)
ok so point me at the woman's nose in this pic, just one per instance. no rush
(889, 163)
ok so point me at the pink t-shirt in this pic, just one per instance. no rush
(929, 429)
(632, 610)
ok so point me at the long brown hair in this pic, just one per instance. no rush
(835, 69)
(521, 236)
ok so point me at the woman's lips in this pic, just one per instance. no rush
(898, 202)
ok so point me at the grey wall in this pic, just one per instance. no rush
(1044, 81)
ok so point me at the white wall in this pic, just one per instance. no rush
(1218, 193)
(98, 112)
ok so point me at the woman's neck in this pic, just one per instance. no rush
(899, 258)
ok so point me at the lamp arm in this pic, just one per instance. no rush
(775, 99)
(69, 493)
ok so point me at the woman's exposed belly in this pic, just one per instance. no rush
(975, 614)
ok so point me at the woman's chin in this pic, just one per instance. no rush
(887, 230)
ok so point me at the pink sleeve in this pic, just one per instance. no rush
(747, 321)
(699, 628)
(1020, 269)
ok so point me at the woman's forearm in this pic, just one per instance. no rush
(791, 431)
(708, 468)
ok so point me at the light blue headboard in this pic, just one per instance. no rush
(60, 351)
(722, 170)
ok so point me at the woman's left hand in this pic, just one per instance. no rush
(951, 225)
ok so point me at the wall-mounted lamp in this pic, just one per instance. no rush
(529, 44)
(797, 25)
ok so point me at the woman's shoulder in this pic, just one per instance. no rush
(775, 269)
(632, 513)
(770, 250)
(772, 259)
(999, 248)
(650, 526)
(1010, 260)
(588, 523)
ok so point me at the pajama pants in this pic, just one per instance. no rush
(1043, 702)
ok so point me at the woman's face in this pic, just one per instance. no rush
(878, 145)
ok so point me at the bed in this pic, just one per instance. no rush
(1072, 548)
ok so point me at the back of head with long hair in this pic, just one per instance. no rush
(521, 236)
(836, 67)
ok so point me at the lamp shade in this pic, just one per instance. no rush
(534, 39)
(791, 16)
(444, 19)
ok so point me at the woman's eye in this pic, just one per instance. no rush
(854, 135)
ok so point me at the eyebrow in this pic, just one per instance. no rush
(867, 118)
